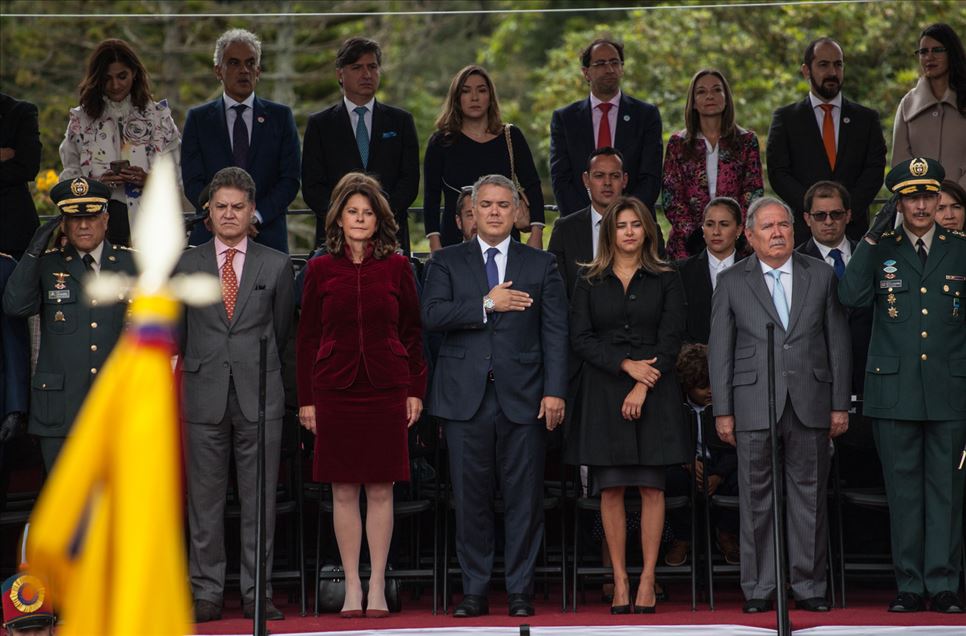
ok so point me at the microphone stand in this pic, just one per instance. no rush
(777, 496)
(258, 625)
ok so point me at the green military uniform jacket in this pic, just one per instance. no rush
(76, 336)
(916, 369)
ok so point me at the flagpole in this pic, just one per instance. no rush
(258, 626)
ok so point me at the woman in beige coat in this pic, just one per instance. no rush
(931, 118)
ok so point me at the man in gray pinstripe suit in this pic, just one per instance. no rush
(812, 391)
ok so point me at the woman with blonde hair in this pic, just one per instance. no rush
(627, 321)
(471, 140)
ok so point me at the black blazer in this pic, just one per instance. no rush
(697, 289)
(572, 242)
(860, 324)
(527, 350)
(638, 137)
(18, 216)
(330, 151)
(796, 159)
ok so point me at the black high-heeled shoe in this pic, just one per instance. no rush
(645, 609)
(620, 609)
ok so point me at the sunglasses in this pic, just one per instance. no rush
(837, 215)
(936, 50)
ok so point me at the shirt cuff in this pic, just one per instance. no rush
(432, 234)
(538, 224)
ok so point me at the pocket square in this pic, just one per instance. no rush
(389, 134)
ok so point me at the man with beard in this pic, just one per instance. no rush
(826, 138)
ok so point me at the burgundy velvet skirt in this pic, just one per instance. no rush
(361, 435)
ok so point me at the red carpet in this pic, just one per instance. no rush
(866, 608)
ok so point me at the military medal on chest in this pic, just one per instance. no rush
(61, 280)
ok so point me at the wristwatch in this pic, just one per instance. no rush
(488, 304)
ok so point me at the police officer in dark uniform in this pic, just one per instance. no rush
(77, 335)
(914, 277)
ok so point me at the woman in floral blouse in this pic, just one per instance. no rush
(712, 157)
(117, 121)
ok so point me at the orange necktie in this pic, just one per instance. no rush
(229, 282)
(828, 134)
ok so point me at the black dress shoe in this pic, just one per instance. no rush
(620, 609)
(757, 606)
(519, 605)
(815, 604)
(471, 606)
(907, 602)
(946, 603)
(272, 613)
(206, 611)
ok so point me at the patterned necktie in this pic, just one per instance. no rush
(603, 131)
(229, 282)
(362, 135)
(492, 273)
(778, 297)
(921, 250)
(239, 137)
(89, 263)
(838, 262)
(828, 134)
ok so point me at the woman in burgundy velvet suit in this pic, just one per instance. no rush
(361, 374)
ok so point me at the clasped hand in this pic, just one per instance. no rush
(642, 371)
(506, 299)
(634, 402)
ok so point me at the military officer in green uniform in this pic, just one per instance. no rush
(914, 276)
(76, 333)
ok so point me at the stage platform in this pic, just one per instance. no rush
(866, 615)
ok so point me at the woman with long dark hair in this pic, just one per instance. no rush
(627, 320)
(931, 118)
(117, 131)
(712, 157)
(471, 140)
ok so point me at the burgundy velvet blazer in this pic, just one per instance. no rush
(359, 319)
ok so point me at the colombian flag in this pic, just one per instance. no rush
(107, 532)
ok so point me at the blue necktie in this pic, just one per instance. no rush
(362, 135)
(492, 273)
(778, 297)
(839, 263)
(239, 137)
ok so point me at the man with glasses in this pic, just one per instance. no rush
(608, 117)
(240, 129)
(826, 137)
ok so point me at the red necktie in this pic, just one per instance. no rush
(229, 282)
(603, 131)
(828, 134)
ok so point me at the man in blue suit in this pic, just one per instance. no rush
(240, 129)
(502, 367)
(608, 117)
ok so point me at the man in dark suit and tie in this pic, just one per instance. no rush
(19, 164)
(243, 130)
(574, 238)
(607, 117)
(827, 214)
(219, 347)
(798, 295)
(826, 137)
(502, 367)
(360, 134)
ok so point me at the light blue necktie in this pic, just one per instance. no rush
(778, 297)
(362, 135)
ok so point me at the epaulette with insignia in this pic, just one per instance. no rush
(958, 233)
(51, 250)
(123, 247)
(889, 233)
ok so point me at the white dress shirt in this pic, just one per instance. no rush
(711, 165)
(786, 276)
(715, 266)
(354, 116)
(611, 116)
(247, 116)
(820, 113)
(595, 219)
(843, 247)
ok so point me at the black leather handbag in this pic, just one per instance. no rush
(332, 590)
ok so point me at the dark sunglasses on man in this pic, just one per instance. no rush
(836, 215)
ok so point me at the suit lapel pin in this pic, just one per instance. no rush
(627, 117)
(261, 119)
(112, 258)
(846, 120)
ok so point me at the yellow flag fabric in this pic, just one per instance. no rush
(107, 532)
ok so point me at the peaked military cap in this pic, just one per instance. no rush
(80, 197)
(918, 174)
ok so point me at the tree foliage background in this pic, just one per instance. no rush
(533, 56)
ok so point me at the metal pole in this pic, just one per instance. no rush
(258, 625)
(777, 495)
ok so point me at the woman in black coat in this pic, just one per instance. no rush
(627, 322)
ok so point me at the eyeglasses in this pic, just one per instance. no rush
(602, 64)
(837, 215)
(936, 50)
